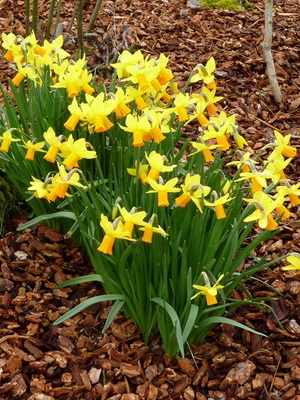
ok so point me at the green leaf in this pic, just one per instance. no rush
(175, 321)
(190, 322)
(113, 312)
(44, 217)
(89, 302)
(80, 279)
(224, 320)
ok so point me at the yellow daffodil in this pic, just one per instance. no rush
(76, 115)
(164, 75)
(137, 96)
(149, 229)
(139, 127)
(40, 188)
(210, 292)
(113, 230)
(7, 139)
(245, 163)
(32, 148)
(192, 191)
(54, 143)
(141, 74)
(127, 59)
(275, 167)
(96, 112)
(131, 218)
(258, 179)
(199, 109)
(202, 147)
(181, 103)
(205, 73)
(294, 260)
(162, 189)
(141, 173)
(73, 151)
(75, 79)
(218, 204)
(210, 98)
(121, 99)
(265, 205)
(159, 124)
(218, 128)
(156, 162)
(62, 181)
(292, 191)
(282, 146)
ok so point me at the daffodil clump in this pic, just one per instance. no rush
(165, 219)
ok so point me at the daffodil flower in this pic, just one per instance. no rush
(210, 292)
(164, 75)
(245, 162)
(54, 143)
(75, 79)
(181, 102)
(40, 188)
(113, 230)
(265, 205)
(202, 147)
(192, 191)
(96, 112)
(131, 219)
(218, 128)
(205, 73)
(156, 162)
(141, 173)
(7, 139)
(149, 229)
(32, 148)
(210, 98)
(162, 189)
(141, 74)
(282, 146)
(139, 127)
(258, 179)
(121, 99)
(76, 115)
(294, 260)
(73, 151)
(200, 107)
(275, 167)
(127, 59)
(292, 191)
(218, 204)
(137, 96)
(62, 181)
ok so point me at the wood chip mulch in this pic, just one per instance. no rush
(40, 361)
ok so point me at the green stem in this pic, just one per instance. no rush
(79, 27)
(50, 18)
(27, 17)
(34, 15)
(94, 16)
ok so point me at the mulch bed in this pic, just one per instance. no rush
(41, 361)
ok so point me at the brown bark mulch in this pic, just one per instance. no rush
(75, 360)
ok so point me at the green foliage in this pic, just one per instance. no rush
(166, 221)
(234, 5)
(6, 196)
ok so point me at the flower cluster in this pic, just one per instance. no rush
(169, 186)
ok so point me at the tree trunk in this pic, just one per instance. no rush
(267, 51)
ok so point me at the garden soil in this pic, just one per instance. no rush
(42, 361)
